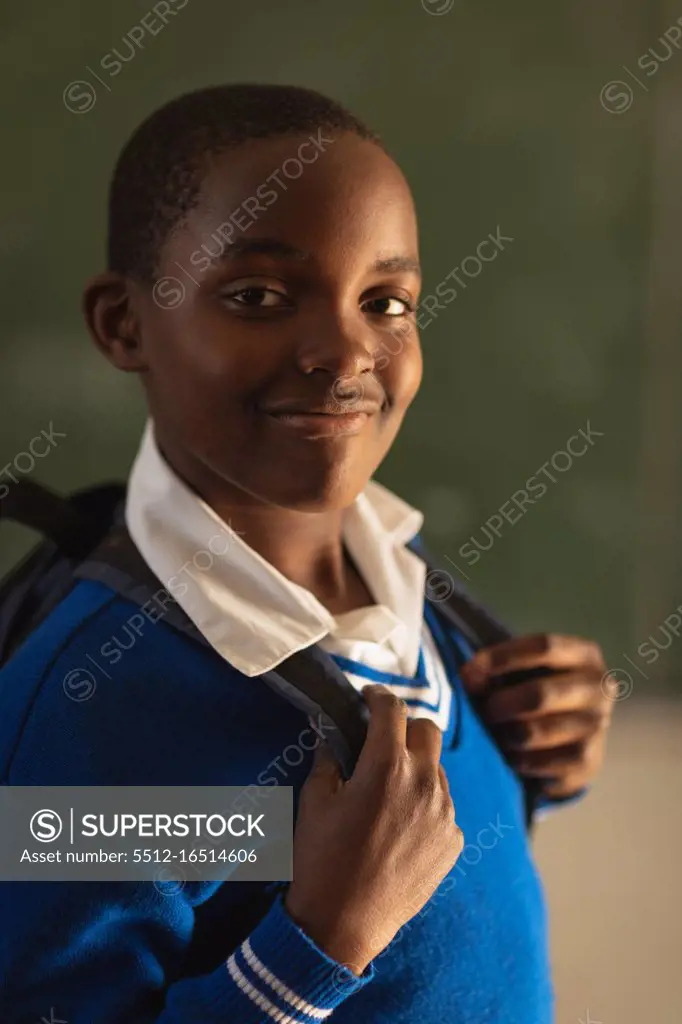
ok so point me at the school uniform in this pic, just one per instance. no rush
(168, 710)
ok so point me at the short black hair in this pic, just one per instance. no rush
(158, 174)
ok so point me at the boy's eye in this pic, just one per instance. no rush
(256, 297)
(390, 305)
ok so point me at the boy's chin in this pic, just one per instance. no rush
(327, 492)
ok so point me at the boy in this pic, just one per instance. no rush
(262, 245)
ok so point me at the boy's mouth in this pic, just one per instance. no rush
(328, 420)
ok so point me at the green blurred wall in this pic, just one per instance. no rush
(493, 109)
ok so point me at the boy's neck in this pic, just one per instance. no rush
(307, 549)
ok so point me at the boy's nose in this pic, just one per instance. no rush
(339, 350)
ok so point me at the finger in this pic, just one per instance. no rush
(550, 764)
(548, 732)
(424, 740)
(324, 759)
(582, 772)
(570, 785)
(445, 787)
(549, 650)
(545, 695)
(325, 775)
(387, 728)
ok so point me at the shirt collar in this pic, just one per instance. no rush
(249, 612)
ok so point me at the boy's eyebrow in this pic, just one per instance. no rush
(264, 247)
(284, 250)
(397, 263)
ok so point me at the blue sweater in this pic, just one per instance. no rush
(173, 712)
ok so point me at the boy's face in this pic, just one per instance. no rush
(304, 306)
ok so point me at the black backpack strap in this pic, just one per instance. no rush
(37, 507)
(118, 564)
(313, 682)
(482, 629)
(71, 526)
(309, 679)
(473, 620)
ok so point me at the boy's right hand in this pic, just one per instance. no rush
(370, 852)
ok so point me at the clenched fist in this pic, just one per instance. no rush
(370, 852)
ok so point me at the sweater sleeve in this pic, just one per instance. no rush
(86, 951)
(125, 952)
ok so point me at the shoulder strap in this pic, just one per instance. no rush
(482, 629)
(74, 524)
(70, 528)
(30, 504)
(473, 620)
(309, 679)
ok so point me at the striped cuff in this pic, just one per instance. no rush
(280, 969)
(277, 974)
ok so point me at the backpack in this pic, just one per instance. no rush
(86, 538)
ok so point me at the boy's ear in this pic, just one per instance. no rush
(108, 307)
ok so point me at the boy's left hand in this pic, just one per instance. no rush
(552, 726)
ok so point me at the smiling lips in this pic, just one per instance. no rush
(329, 420)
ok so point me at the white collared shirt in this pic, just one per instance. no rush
(255, 617)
